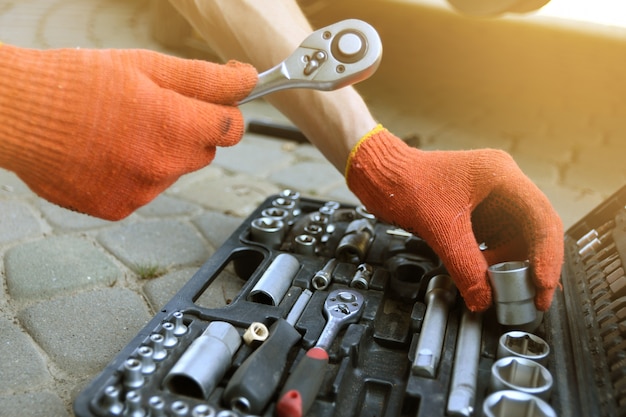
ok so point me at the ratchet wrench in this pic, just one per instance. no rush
(341, 308)
(335, 56)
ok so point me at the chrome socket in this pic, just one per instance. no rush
(322, 278)
(523, 345)
(362, 277)
(519, 374)
(276, 280)
(356, 241)
(268, 231)
(305, 245)
(514, 403)
(514, 294)
(204, 363)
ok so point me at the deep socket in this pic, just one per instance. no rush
(322, 278)
(204, 363)
(276, 280)
(440, 294)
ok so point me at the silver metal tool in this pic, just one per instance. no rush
(465, 370)
(524, 345)
(440, 294)
(276, 280)
(322, 278)
(335, 56)
(514, 295)
(204, 363)
(523, 375)
(341, 307)
(511, 403)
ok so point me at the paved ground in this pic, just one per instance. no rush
(74, 288)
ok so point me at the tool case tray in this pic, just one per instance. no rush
(369, 371)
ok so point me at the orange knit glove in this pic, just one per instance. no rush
(103, 132)
(455, 200)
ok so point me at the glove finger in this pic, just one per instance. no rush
(546, 257)
(459, 252)
(202, 80)
(197, 124)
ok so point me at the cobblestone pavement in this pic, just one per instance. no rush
(76, 289)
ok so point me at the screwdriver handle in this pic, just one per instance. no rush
(256, 380)
(303, 384)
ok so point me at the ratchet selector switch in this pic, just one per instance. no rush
(349, 46)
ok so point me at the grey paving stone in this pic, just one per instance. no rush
(155, 243)
(17, 221)
(67, 220)
(255, 155)
(160, 290)
(237, 195)
(216, 227)
(310, 177)
(83, 332)
(164, 206)
(11, 185)
(56, 265)
(36, 404)
(22, 366)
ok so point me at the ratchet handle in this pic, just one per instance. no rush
(255, 381)
(303, 384)
(335, 56)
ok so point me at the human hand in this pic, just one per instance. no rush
(455, 200)
(103, 132)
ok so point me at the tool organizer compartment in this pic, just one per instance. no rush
(185, 360)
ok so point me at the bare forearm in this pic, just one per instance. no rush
(265, 33)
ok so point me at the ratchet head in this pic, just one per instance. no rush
(338, 55)
(343, 305)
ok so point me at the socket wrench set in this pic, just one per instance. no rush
(340, 314)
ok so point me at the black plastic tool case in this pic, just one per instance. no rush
(370, 361)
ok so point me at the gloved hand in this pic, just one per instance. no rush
(103, 132)
(455, 200)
